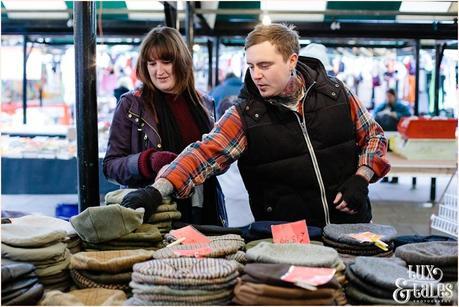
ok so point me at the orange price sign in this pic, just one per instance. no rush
(296, 232)
(191, 235)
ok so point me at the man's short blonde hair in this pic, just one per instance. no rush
(283, 37)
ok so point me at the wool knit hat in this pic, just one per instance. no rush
(221, 246)
(340, 232)
(85, 297)
(293, 253)
(188, 268)
(109, 261)
(99, 224)
(438, 253)
(30, 236)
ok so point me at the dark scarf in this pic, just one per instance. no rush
(168, 126)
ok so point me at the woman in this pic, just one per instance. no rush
(155, 122)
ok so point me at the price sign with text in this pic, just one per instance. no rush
(191, 235)
(296, 232)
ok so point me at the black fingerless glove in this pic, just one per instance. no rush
(148, 198)
(355, 192)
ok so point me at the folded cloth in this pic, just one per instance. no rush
(293, 253)
(109, 261)
(85, 297)
(187, 283)
(106, 278)
(199, 269)
(439, 253)
(134, 301)
(387, 272)
(47, 222)
(83, 282)
(30, 297)
(221, 246)
(165, 216)
(402, 240)
(209, 230)
(105, 223)
(367, 287)
(12, 270)
(47, 253)
(21, 235)
(22, 283)
(340, 232)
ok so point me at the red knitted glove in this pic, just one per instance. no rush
(144, 163)
(160, 158)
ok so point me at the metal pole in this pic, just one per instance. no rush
(416, 82)
(210, 47)
(217, 56)
(24, 80)
(439, 49)
(189, 25)
(170, 13)
(86, 103)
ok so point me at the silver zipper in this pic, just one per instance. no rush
(314, 158)
(152, 128)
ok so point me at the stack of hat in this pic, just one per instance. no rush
(373, 280)
(41, 246)
(84, 297)
(163, 216)
(261, 284)
(262, 230)
(114, 227)
(183, 281)
(72, 240)
(227, 246)
(441, 254)
(20, 284)
(106, 269)
(309, 255)
(337, 236)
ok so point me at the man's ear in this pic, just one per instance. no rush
(292, 60)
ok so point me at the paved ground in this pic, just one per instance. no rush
(395, 204)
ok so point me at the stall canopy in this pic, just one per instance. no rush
(223, 18)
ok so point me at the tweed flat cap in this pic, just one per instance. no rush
(109, 261)
(85, 297)
(47, 253)
(30, 236)
(221, 246)
(440, 253)
(339, 232)
(100, 224)
(192, 268)
(84, 282)
(296, 254)
(44, 221)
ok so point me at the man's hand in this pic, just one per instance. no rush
(148, 198)
(353, 195)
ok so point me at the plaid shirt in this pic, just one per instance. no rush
(227, 142)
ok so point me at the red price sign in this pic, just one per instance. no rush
(191, 235)
(308, 275)
(296, 232)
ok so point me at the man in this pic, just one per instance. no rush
(307, 148)
(388, 113)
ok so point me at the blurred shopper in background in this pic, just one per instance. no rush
(388, 113)
(155, 122)
(231, 86)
